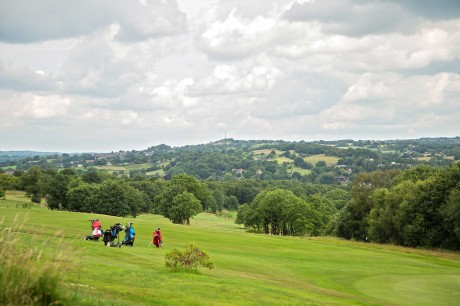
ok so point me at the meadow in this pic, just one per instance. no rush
(250, 269)
(330, 160)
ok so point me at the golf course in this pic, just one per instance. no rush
(249, 269)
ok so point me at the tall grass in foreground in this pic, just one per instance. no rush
(25, 279)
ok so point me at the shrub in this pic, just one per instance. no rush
(188, 260)
(36, 199)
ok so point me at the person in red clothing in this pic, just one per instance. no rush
(157, 238)
(96, 227)
(97, 233)
(96, 224)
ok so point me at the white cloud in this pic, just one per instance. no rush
(391, 99)
(19, 108)
(173, 94)
(182, 72)
(236, 36)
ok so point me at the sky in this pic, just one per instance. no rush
(110, 75)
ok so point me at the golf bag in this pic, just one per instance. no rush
(111, 234)
(130, 235)
(157, 238)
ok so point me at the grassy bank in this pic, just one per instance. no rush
(249, 269)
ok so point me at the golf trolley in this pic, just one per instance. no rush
(129, 235)
(111, 234)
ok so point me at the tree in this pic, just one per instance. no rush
(339, 197)
(218, 195)
(320, 164)
(299, 161)
(327, 178)
(33, 183)
(451, 214)
(321, 215)
(231, 202)
(278, 212)
(95, 177)
(57, 189)
(82, 197)
(117, 198)
(194, 186)
(183, 207)
(8, 182)
(150, 189)
(179, 184)
(359, 207)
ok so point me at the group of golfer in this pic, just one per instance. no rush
(130, 233)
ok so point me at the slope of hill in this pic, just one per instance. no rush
(249, 269)
(325, 162)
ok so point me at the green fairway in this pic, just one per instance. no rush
(250, 269)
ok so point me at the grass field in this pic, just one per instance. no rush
(283, 159)
(8, 167)
(330, 160)
(250, 269)
(292, 168)
(267, 152)
(128, 168)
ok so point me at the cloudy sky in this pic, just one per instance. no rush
(109, 75)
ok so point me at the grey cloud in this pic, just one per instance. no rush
(24, 79)
(437, 10)
(436, 67)
(155, 19)
(95, 67)
(354, 18)
(301, 94)
(25, 21)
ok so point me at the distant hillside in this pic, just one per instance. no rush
(326, 162)
(15, 155)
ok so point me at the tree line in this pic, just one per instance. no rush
(419, 207)
(178, 198)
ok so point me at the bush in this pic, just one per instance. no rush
(188, 260)
(36, 199)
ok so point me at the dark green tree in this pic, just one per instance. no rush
(33, 183)
(117, 198)
(82, 198)
(8, 182)
(183, 207)
(57, 189)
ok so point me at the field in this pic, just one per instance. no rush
(330, 160)
(292, 169)
(8, 167)
(267, 152)
(250, 269)
(127, 169)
